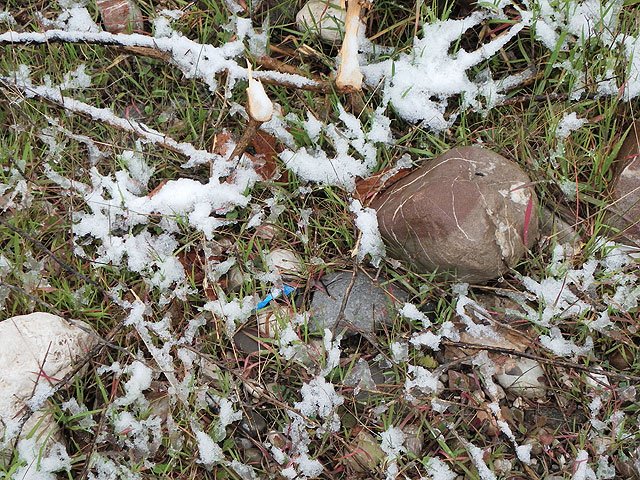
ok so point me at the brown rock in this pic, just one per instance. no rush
(120, 16)
(625, 191)
(469, 211)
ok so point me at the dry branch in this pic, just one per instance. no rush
(164, 49)
(548, 361)
(106, 116)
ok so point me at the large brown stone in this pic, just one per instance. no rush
(624, 210)
(469, 211)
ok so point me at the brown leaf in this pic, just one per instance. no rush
(266, 152)
(368, 188)
(221, 143)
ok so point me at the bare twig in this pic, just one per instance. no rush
(548, 361)
(106, 116)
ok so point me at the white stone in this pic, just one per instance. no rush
(36, 352)
(322, 18)
(525, 379)
(285, 262)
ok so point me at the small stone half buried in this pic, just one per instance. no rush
(368, 305)
(36, 351)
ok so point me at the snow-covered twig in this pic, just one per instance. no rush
(548, 361)
(108, 117)
(207, 59)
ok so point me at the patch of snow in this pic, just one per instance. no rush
(7, 18)
(399, 351)
(370, 242)
(421, 378)
(39, 465)
(569, 123)
(438, 470)
(319, 399)
(419, 83)
(411, 312)
(140, 380)
(581, 468)
(563, 347)
(232, 312)
(478, 461)
(209, 451)
(332, 349)
(312, 163)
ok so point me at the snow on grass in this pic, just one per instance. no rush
(193, 59)
(370, 241)
(562, 347)
(393, 445)
(139, 381)
(232, 312)
(411, 312)
(487, 370)
(477, 459)
(581, 468)
(319, 399)
(40, 465)
(568, 124)
(422, 379)
(210, 451)
(438, 470)
(418, 84)
(312, 162)
(463, 302)
(609, 269)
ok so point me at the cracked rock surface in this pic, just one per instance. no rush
(470, 212)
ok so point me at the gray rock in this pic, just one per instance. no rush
(556, 229)
(368, 305)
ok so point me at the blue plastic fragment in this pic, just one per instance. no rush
(286, 289)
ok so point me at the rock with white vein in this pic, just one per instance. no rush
(470, 212)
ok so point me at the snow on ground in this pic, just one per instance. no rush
(115, 228)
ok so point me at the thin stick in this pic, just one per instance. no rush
(548, 361)
(107, 116)
(252, 128)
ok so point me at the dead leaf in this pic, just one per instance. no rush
(368, 188)
(221, 143)
(266, 152)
